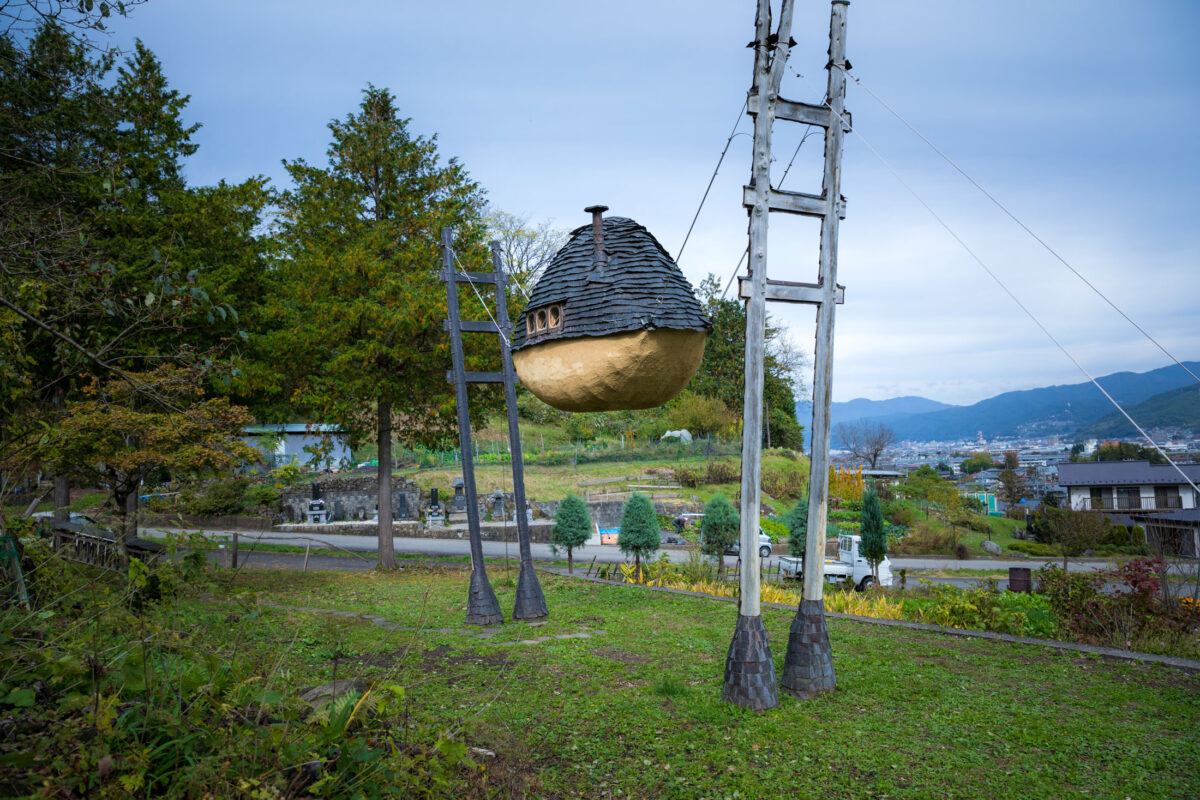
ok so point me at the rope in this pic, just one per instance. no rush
(1022, 225)
(1016, 300)
(708, 188)
(482, 302)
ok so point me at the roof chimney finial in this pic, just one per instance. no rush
(599, 259)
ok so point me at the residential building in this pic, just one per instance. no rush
(1129, 486)
(307, 444)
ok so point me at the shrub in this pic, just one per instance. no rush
(1033, 548)
(639, 528)
(925, 539)
(900, 513)
(719, 529)
(688, 477)
(219, 498)
(722, 472)
(783, 482)
(874, 541)
(261, 495)
(796, 521)
(775, 530)
(572, 527)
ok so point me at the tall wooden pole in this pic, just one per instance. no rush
(530, 602)
(749, 668)
(482, 606)
(808, 666)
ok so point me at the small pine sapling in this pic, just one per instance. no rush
(639, 530)
(572, 528)
(874, 537)
(719, 530)
(796, 521)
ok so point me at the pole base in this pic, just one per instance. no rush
(530, 603)
(482, 606)
(808, 666)
(749, 670)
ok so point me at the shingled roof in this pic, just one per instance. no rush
(1124, 473)
(644, 289)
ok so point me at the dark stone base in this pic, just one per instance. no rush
(808, 666)
(530, 603)
(749, 670)
(482, 606)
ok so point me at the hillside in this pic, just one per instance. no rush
(1061, 409)
(862, 408)
(1178, 408)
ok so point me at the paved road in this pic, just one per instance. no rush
(607, 553)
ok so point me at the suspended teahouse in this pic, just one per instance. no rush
(611, 324)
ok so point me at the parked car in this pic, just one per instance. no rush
(764, 546)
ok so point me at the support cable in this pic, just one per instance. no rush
(1016, 300)
(486, 310)
(707, 189)
(1022, 225)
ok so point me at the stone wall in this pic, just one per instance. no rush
(354, 499)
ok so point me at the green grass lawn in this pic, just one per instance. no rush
(634, 709)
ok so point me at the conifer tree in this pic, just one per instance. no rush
(796, 521)
(639, 530)
(719, 530)
(358, 307)
(874, 540)
(572, 527)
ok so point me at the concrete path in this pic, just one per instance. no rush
(366, 545)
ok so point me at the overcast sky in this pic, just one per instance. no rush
(1081, 117)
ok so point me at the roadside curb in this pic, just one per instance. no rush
(1114, 653)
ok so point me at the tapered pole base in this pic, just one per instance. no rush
(808, 666)
(482, 606)
(749, 670)
(530, 603)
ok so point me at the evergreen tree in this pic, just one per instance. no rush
(572, 528)
(796, 521)
(357, 308)
(639, 530)
(719, 530)
(874, 540)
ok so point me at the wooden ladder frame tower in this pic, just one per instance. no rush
(482, 606)
(808, 666)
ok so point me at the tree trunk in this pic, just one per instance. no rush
(62, 484)
(570, 561)
(387, 551)
(637, 567)
(387, 547)
(122, 534)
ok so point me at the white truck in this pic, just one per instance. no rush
(849, 564)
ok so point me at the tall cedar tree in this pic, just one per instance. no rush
(572, 527)
(358, 307)
(722, 370)
(101, 271)
(639, 530)
(796, 521)
(874, 539)
(719, 529)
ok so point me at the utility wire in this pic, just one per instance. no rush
(1016, 300)
(717, 169)
(482, 302)
(1015, 219)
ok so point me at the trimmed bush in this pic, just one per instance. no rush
(639, 529)
(572, 527)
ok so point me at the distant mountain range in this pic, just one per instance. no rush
(1161, 398)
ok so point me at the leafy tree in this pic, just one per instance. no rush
(702, 416)
(117, 438)
(1126, 451)
(639, 529)
(572, 527)
(978, 462)
(526, 250)
(1072, 532)
(874, 536)
(1011, 461)
(722, 370)
(796, 521)
(1013, 486)
(719, 529)
(357, 308)
(97, 280)
(865, 440)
